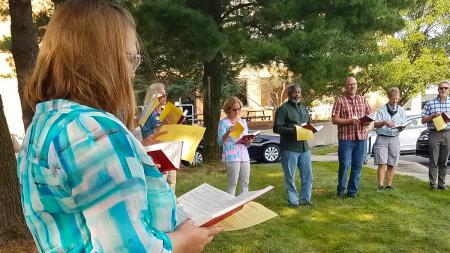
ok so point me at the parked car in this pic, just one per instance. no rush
(422, 144)
(264, 148)
(408, 137)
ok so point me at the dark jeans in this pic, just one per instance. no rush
(351, 154)
(439, 149)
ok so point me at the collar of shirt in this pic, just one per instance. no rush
(57, 104)
(447, 99)
(294, 104)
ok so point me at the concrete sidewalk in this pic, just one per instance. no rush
(407, 168)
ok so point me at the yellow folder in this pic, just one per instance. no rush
(251, 214)
(238, 129)
(303, 134)
(439, 123)
(174, 113)
(148, 109)
(189, 135)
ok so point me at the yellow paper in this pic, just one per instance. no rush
(189, 135)
(303, 134)
(238, 129)
(149, 108)
(439, 123)
(251, 214)
(172, 112)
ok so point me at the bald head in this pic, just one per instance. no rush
(351, 86)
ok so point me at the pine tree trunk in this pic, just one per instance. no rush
(12, 223)
(212, 84)
(24, 49)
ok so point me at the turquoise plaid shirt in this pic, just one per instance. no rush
(87, 184)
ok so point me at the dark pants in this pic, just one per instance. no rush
(351, 154)
(439, 149)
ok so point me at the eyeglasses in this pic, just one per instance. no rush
(163, 95)
(135, 60)
(443, 88)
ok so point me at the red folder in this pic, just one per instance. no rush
(314, 129)
(251, 135)
(366, 119)
(166, 154)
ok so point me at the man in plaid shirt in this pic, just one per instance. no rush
(438, 141)
(347, 112)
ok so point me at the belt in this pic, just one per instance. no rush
(387, 135)
(443, 130)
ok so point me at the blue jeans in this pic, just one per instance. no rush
(290, 161)
(350, 153)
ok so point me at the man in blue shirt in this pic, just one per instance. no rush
(439, 141)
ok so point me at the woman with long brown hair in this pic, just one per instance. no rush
(87, 183)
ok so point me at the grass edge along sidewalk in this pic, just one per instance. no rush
(409, 219)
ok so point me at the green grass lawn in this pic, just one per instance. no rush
(410, 219)
(324, 150)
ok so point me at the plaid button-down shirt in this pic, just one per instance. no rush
(347, 108)
(87, 184)
(435, 105)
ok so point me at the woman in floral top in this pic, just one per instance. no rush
(235, 156)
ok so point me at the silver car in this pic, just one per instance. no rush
(408, 137)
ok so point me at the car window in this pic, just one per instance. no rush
(416, 123)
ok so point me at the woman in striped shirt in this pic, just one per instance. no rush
(87, 184)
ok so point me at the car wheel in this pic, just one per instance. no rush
(198, 159)
(270, 153)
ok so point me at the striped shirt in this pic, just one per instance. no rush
(399, 119)
(351, 108)
(87, 184)
(435, 105)
(232, 152)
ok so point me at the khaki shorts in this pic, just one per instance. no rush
(386, 150)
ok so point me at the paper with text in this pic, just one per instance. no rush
(206, 202)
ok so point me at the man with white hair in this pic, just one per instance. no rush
(389, 122)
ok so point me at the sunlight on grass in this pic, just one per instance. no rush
(273, 175)
(288, 212)
(365, 217)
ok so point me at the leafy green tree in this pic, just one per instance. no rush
(212, 39)
(419, 55)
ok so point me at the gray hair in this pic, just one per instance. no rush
(393, 90)
(153, 90)
(445, 81)
(291, 88)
